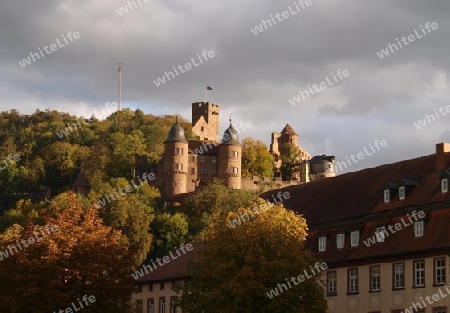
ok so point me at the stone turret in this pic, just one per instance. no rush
(175, 162)
(230, 156)
(322, 166)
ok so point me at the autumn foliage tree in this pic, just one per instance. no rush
(83, 257)
(240, 264)
(256, 159)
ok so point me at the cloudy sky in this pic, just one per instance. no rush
(253, 76)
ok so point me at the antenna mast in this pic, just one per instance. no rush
(120, 84)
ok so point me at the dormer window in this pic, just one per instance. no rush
(387, 195)
(380, 233)
(444, 185)
(354, 238)
(322, 243)
(401, 192)
(419, 228)
(340, 240)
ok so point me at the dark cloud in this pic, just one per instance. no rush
(253, 75)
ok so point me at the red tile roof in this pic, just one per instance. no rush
(175, 269)
(354, 201)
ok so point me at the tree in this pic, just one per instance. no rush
(169, 231)
(256, 159)
(241, 264)
(81, 256)
(212, 201)
(291, 161)
(128, 213)
(125, 146)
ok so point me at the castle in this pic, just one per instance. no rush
(188, 164)
(310, 169)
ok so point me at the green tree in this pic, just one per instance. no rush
(128, 213)
(256, 159)
(169, 231)
(125, 147)
(213, 200)
(291, 161)
(241, 264)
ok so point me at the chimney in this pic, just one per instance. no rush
(442, 156)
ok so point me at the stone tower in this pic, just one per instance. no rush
(322, 166)
(205, 120)
(175, 162)
(288, 135)
(230, 156)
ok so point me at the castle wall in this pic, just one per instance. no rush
(202, 168)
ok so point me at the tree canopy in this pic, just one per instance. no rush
(242, 262)
(256, 159)
(82, 257)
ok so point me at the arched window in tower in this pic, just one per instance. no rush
(202, 129)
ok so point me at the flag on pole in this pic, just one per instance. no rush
(208, 88)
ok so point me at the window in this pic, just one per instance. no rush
(202, 159)
(179, 151)
(234, 170)
(150, 305)
(213, 160)
(387, 195)
(399, 275)
(192, 158)
(375, 278)
(352, 280)
(444, 185)
(354, 238)
(401, 192)
(235, 154)
(439, 271)
(331, 283)
(419, 228)
(173, 306)
(162, 305)
(380, 233)
(192, 170)
(322, 243)
(161, 286)
(202, 128)
(340, 239)
(419, 273)
(178, 166)
(441, 309)
(139, 306)
(213, 171)
(150, 287)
